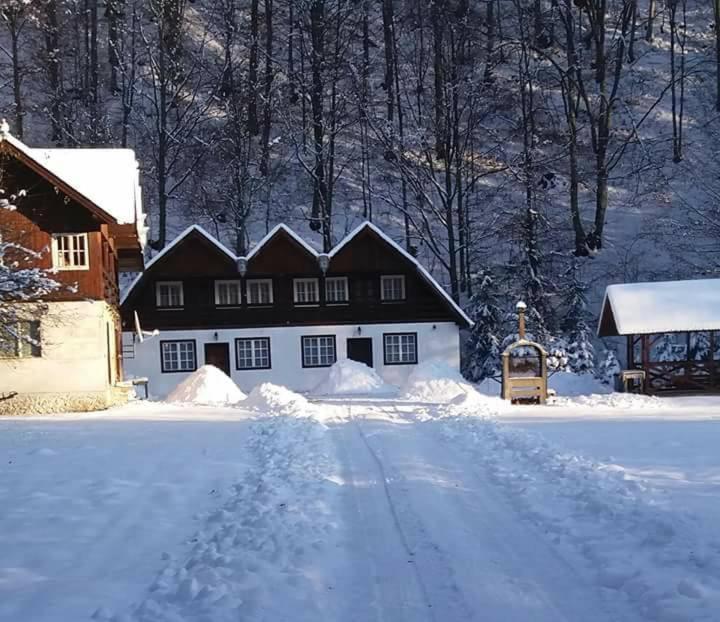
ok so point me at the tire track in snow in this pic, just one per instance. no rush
(439, 557)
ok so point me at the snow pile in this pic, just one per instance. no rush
(585, 390)
(435, 381)
(207, 385)
(276, 399)
(348, 377)
(657, 558)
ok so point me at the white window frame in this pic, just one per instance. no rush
(406, 354)
(268, 282)
(160, 284)
(306, 281)
(337, 279)
(173, 348)
(392, 277)
(310, 342)
(72, 239)
(228, 282)
(24, 349)
(258, 345)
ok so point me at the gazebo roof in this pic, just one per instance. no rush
(660, 307)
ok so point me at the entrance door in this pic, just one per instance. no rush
(218, 354)
(360, 349)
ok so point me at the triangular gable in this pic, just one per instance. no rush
(25, 154)
(424, 274)
(278, 229)
(174, 244)
(283, 251)
(607, 326)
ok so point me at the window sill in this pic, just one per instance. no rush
(252, 368)
(170, 308)
(71, 268)
(217, 306)
(337, 304)
(306, 304)
(393, 302)
(259, 305)
(388, 364)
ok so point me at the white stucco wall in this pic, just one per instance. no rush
(74, 352)
(438, 340)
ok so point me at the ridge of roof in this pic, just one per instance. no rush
(272, 233)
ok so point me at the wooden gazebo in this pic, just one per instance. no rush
(672, 330)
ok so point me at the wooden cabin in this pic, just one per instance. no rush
(81, 213)
(284, 313)
(672, 330)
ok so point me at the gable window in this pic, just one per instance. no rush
(169, 294)
(70, 251)
(253, 353)
(400, 348)
(228, 293)
(259, 291)
(306, 291)
(318, 351)
(392, 287)
(336, 290)
(178, 356)
(21, 340)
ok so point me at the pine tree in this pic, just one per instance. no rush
(577, 333)
(608, 368)
(483, 346)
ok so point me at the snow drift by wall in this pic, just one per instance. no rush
(348, 377)
(207, 385)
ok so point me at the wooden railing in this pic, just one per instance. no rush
(682, 376)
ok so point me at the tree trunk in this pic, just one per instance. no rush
(253, 126)
(716, 9)
(114, 11)
(267, 103)
(317, 33)
(388, 38)
(438, 17)
(52, 51)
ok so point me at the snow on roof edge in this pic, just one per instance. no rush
(175, 241)
(420, 268)
(271, 234)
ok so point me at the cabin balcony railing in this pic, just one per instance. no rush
(682, 375)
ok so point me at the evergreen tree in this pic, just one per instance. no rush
(483, 346)
(578, 336)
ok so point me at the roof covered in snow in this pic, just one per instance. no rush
(423, 273)
(660, 307)
(107, 179)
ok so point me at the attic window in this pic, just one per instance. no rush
(169, 294)
(306, 291)
(392, 288)
(70, 251)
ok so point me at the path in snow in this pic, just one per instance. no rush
(432, 539)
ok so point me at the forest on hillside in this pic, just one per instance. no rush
(526, 149)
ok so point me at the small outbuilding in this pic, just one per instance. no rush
(672, 330)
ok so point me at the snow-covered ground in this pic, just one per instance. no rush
(360, 508)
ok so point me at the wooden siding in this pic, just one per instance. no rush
(43, 212)
(197, 263)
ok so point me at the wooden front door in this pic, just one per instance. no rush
(360, 349)
(218, 354)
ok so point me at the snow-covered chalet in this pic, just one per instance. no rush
(285, 313)
(79, 212)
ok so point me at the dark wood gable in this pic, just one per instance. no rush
(368, 256)
(193, 256)
(282, 254)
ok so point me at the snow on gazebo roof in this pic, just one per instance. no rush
(660, 307)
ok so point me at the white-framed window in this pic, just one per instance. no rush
(20, 340)
(252, 353)
(318, 351)
(228, 293)
(392, 287)
(400, 348)
(259, 291)
(336, 290)
(70, 251)
(178, 355)
(306, 291)
(169, 294)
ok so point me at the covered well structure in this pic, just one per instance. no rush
(672, 329)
